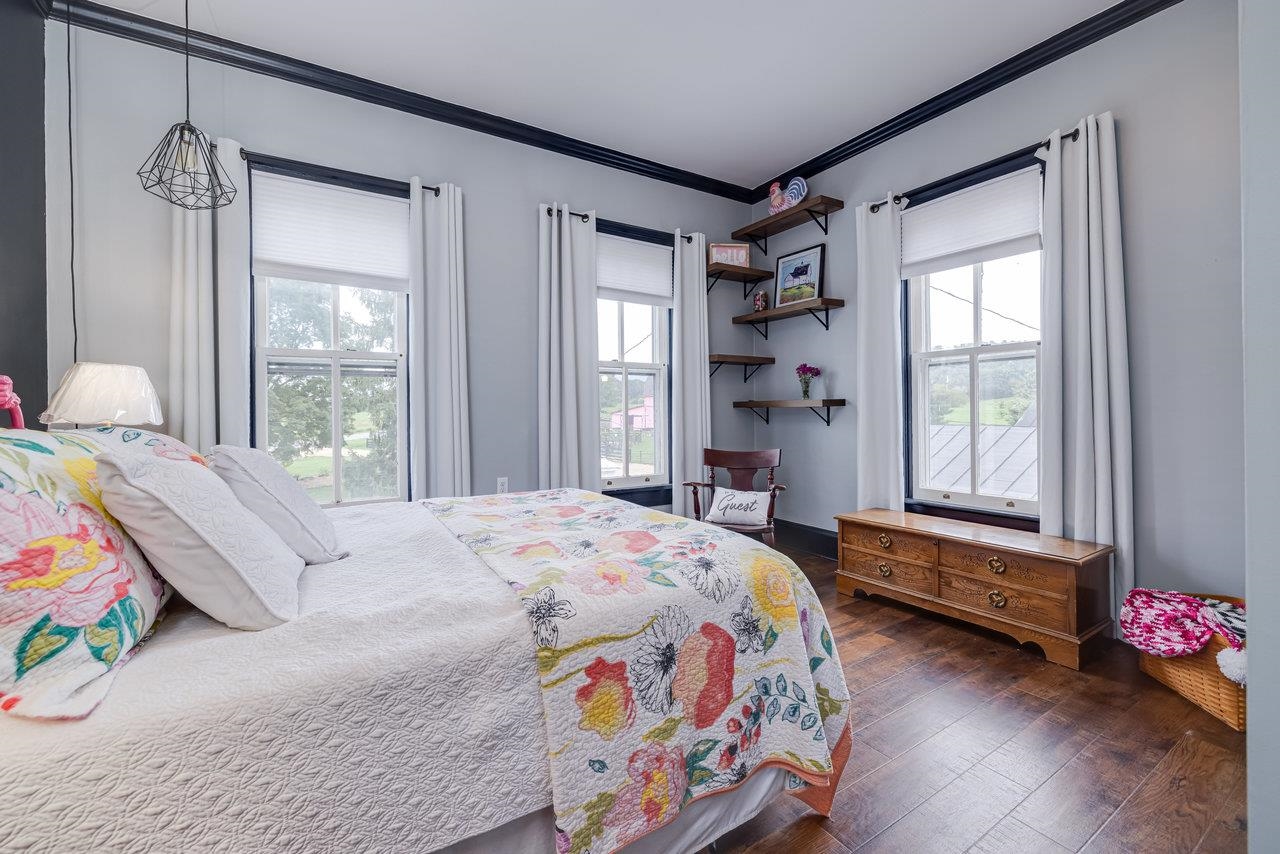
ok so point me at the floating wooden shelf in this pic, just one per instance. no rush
(761, 407)
(733, 273)
(750, 364)
(758, 319)
(816, 209)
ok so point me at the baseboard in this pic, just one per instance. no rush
(806, 538)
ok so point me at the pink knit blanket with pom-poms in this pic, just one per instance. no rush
(1165, 623)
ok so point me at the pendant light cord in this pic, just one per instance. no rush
(186, 50)
(71, 183)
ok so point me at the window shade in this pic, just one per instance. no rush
(994, 219)
(305, 229)
(633, 270)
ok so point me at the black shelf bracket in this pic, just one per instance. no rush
(747, 284)
(764, 333)
(762, 243)
(763, 416)
(748, 371)
(826, 418)
(822, 222)
(825, 319)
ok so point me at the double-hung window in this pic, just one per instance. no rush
(331, 306)
(633, 314)
(972, 264)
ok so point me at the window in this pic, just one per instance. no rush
(331, 310)
(634, 398)
(974, 347)
(633, 320)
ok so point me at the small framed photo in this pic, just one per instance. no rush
(798, 276)
(738, 254)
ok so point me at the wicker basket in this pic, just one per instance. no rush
(1198, 678)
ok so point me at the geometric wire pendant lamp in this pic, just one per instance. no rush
(183, 168)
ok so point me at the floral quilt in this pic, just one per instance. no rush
(76, 595)
(675, 658)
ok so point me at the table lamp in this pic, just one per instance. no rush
(97, 393)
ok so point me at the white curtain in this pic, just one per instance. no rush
(440, 440)
(878, 394)
(192, 416)
(691, 380)
(1086, 488)
(232, 264)
(568, 392)
(206, 355)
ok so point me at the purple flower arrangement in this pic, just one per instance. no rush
(806, 372)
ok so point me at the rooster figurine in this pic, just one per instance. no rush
(780, 200)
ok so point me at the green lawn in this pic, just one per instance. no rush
(997, 410)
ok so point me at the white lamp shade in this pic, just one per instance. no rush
(96, 393)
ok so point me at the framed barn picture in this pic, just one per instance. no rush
(798, 276)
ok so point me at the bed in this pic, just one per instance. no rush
(401, 711)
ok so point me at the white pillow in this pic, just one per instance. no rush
(263, 485)
(211, 548)
(731, 507)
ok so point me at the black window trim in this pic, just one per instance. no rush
(647, 496)
(338, 178)
(1009, 163)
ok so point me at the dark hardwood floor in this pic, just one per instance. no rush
(965, 742)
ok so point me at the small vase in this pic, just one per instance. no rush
(804, 387)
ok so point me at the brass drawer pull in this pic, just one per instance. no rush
(885, 541)
(996, 565)
(997, 599)
(885, 570)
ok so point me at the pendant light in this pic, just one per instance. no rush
(183, 169)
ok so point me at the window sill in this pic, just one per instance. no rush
(645, 496)
(982, 517)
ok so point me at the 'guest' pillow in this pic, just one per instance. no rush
(263, 485)
(731, 507)
(214, 551)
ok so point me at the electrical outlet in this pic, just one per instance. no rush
(502, 484)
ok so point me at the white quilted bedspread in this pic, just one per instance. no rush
(339, 731)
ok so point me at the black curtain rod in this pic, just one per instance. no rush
(558, 212)
(634, 232)
(328, 174)
(969, 177)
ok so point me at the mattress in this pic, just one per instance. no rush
(391, 715)
(388, 716)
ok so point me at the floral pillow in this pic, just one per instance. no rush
(142, 441)
(76, 594)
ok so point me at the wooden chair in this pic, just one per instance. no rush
(742, 467)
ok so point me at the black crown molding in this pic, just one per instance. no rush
(137, 28)
(1107, 22)
(104, 19)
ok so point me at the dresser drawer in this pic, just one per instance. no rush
(885, 570)
(996, 566)
(888, 541)
(1003, 600)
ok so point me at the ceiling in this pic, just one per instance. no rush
(736, 91)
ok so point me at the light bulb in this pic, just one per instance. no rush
(184, 158)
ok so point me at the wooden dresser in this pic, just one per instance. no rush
(1038, 589)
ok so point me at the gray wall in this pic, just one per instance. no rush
(1260, 171)
(22, 258)
(128, 94)
(1171, 82)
